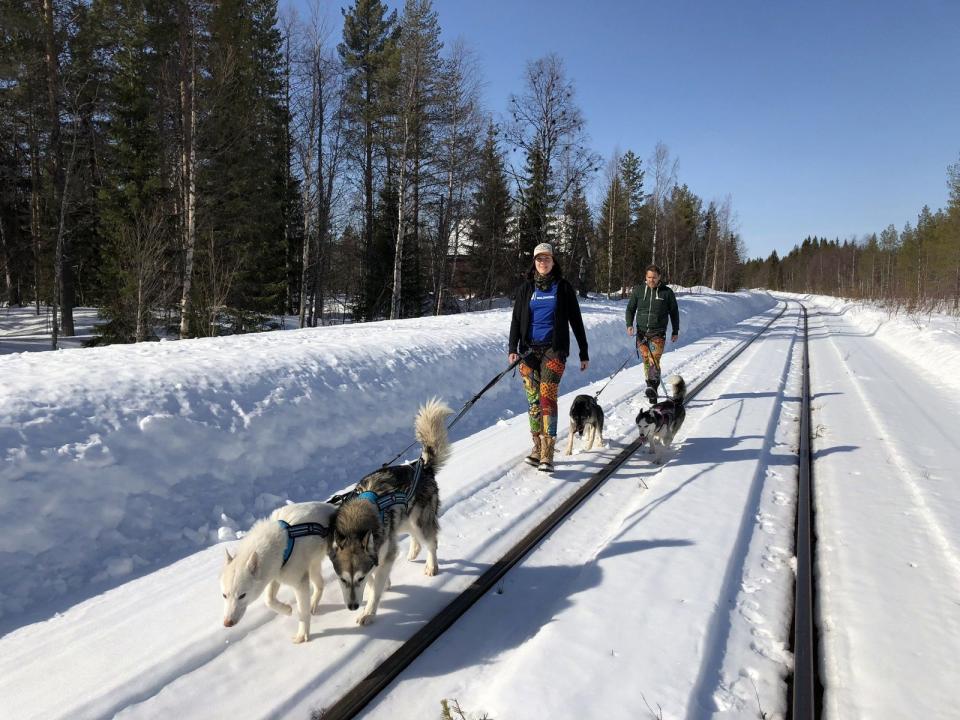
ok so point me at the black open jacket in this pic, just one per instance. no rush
(566, 316)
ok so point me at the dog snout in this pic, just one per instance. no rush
(353, 605)
(228, 622)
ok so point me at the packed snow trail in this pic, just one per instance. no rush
(677, 596)
(888, 504)
(154, 647)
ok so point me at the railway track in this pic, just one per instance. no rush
(804, 702)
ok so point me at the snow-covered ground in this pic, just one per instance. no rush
(23, 330)
(667, 594)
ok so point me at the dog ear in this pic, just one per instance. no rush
(229, 556)
(253, 563)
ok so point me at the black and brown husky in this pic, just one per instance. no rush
(586, 420)
(659, 423)
(387, 502)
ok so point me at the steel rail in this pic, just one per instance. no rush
(805, 685)
(361, 694)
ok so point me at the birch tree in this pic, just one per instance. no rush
(664, 177)
(547, 127)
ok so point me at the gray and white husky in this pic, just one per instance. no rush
(267, 557)
(364, 544)
(659, 423)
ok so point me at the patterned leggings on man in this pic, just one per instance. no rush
(651, 348)
(541, 371)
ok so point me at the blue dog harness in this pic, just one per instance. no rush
(300, 530)
(397, 497)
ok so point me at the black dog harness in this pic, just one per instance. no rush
(664, 413)
(300, 530)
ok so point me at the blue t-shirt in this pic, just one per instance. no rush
(543, 305)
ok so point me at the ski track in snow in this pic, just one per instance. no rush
(888, 536)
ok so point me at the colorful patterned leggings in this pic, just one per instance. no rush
(651, 349)
(541, 371)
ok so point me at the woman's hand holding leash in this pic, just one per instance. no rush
(512, 358)
(584, 364)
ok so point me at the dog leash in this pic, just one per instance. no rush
(613, 376)
(340, 497)
(466, 406)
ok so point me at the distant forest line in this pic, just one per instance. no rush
(194, 168)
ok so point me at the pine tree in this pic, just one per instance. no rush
(368, 52)
(415, 100)
(489, 257)
(241, 180)
(581, 232)
(535, 200)
(135, 184)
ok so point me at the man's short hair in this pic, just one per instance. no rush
(655, 268)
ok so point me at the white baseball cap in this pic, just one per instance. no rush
(543, 249)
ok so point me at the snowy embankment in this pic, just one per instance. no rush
(118, 460)
(930, 341)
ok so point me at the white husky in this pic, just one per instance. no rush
(286, 549)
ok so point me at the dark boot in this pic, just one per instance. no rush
(651, 392)
(546, 456)
(534, 457)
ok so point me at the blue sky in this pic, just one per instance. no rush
(818, 118)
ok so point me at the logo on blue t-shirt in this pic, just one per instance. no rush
(543, 305)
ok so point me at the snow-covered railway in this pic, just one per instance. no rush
(365, 692)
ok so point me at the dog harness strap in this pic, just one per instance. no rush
(369, 496)
(288, 550)
(663, 417)
(300, 530)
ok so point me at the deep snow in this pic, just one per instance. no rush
(667, 593)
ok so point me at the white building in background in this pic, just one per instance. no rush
(560, 231)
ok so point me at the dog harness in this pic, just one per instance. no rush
(664, 413)
(397, 497)
(300, 530)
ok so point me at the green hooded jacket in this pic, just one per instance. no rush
(652, 308)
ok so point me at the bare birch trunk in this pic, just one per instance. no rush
(187, 157)
(398, 251)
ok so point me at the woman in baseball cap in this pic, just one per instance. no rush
(544, 310)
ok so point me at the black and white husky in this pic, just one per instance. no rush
(387, 502)
(659, 423)
(586, 415)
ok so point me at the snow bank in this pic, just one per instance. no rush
(120, 459)
(930, 341)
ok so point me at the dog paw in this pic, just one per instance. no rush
(300, 638)
(414, 550)
(430, 571)
(365, 619)
(282, 609)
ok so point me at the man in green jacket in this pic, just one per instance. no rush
(651, 306)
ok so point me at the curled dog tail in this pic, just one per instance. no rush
(678, 387)
(431, 430)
